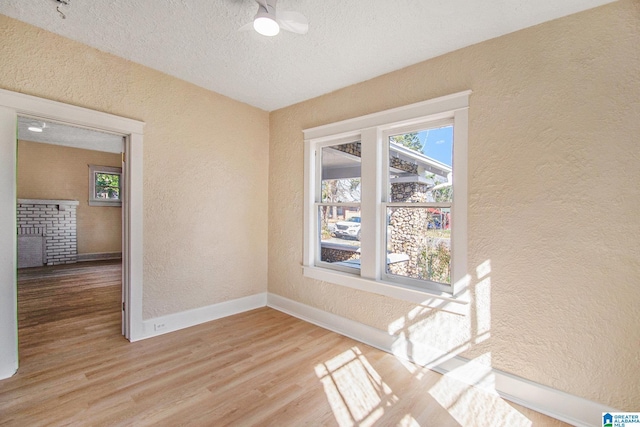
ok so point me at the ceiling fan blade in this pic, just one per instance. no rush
(292, 21)
(246, 27)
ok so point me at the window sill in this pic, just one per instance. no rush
(423, 297)
(115, 203)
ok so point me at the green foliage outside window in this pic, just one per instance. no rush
(435, 263)
(443, 194)
(409, 140)
(107, 186)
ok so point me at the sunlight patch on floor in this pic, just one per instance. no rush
(411, 367)
(354, 389)
(408, 421)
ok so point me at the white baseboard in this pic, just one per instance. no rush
(99, 256)
(352, 329)
(540, 398)
(184, 319)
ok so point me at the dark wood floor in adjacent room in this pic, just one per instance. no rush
(257, 368)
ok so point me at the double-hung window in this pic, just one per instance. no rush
(386, 200)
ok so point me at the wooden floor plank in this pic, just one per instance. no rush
(257, 368)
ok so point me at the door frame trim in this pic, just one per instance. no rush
(132, 244)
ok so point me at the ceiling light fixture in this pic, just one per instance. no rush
(268, 22)
(36, 127)
(265, 23)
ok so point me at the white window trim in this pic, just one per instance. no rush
(93, 201)
(452, 107)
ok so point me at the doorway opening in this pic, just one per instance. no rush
(69, 226)
(12, 105)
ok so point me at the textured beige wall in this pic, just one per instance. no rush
(553, 203)
(48, 171)
(205, 165)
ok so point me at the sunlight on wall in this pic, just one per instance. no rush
(440, 329)
(417, 332)
(354, 389)
(483, 269)
(483, 302)
(479, 404)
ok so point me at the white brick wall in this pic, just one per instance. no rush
(56, 221)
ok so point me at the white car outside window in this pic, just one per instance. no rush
(349, 228)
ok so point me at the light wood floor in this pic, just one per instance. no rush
(257, 368)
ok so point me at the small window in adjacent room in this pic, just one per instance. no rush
(105, 186)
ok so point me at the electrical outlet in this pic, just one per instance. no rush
(158, 326)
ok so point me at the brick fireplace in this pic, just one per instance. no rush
(46, 232)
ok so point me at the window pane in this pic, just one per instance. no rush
(419, 243)
(339, 230)
(420, 166)
(107, 186)
(341, 173)
(107, 179)
(107, 193)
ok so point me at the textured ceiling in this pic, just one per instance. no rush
(349, 41)
(69, 136)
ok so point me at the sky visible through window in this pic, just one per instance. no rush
(438, 143)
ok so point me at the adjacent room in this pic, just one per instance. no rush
(69, 222)
(408, 214)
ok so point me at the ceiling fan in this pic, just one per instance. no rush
(268, 21)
